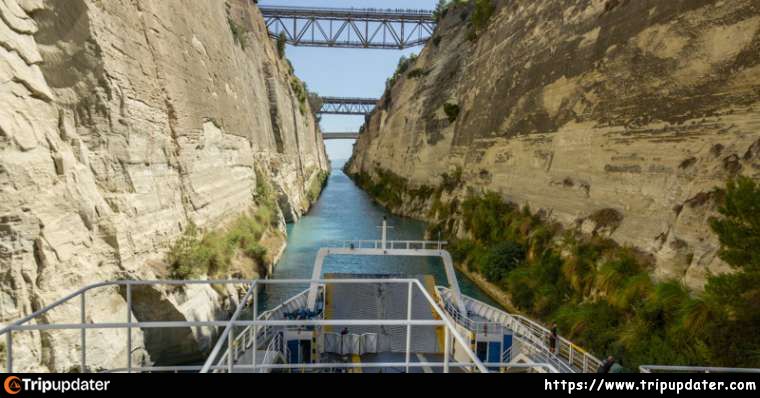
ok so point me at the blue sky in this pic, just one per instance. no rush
(346, 72)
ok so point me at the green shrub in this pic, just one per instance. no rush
(500, 260)
(301, 92)
(483, 216)
(451, 182)
(315, 104)
(612, 276)
(441, 9)
(317, 185)
(417, 73)
(189, 258)
(521, 287)
(461, 249)
(481, 15)
(403, 65)
(452, 111)
(387, 187)
(255, 251)
(282, 40)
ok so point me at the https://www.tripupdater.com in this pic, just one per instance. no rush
(660, 386)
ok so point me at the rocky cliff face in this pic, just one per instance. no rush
(121, 123)
(618, 117)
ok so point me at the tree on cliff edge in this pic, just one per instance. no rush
(739, 228)
(737, 294)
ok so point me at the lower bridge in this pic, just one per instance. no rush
(340, 136)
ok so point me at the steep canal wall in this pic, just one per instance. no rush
(124, 126)
(560, 133)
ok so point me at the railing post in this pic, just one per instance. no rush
(83, 333)
(570, 354)
(254, 346)
(585, 363)
(446, 349)
(9, 346)
(409, 327)
(230, 338)
(129, 327)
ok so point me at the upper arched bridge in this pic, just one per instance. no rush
(350, 27)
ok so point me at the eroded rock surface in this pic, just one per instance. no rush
(586, 107)
(122, 122)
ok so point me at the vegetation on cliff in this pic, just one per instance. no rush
(317, 185)
(282, 39)
(480, 16)
(601, 294)
(211, 254)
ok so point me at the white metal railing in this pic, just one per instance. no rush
(229, 346)
(79, 297)
(389, 244)
(566, 356)
(693, 369)
(275, 349)
(245, 340)
(536, 352)
(226, 340)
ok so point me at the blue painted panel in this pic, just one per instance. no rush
(293, 347)
(507, 343)
(494, 352)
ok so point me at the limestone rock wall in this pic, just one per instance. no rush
(121, 122)
(636, 108)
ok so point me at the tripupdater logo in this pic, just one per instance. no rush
(12, 385)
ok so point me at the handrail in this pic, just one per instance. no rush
(235, 321)
(77, 293)
(226, 333)
(570, 354)
(389, 244)
(350, 10)
(264, 331)
(694, 369)
(444, 320)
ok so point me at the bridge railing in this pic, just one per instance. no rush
(389, 244)
(229, 345)
(346, 11)
(693, 369)
(251, 338)
(220, 357)
(535, 335)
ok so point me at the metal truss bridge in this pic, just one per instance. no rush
(350, 27)
(347, 106)
(350, 135)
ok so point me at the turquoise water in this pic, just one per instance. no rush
(345, 212)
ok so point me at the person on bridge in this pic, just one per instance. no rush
(606, 365)
(553, 337)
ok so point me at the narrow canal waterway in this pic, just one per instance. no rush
(345, 212)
